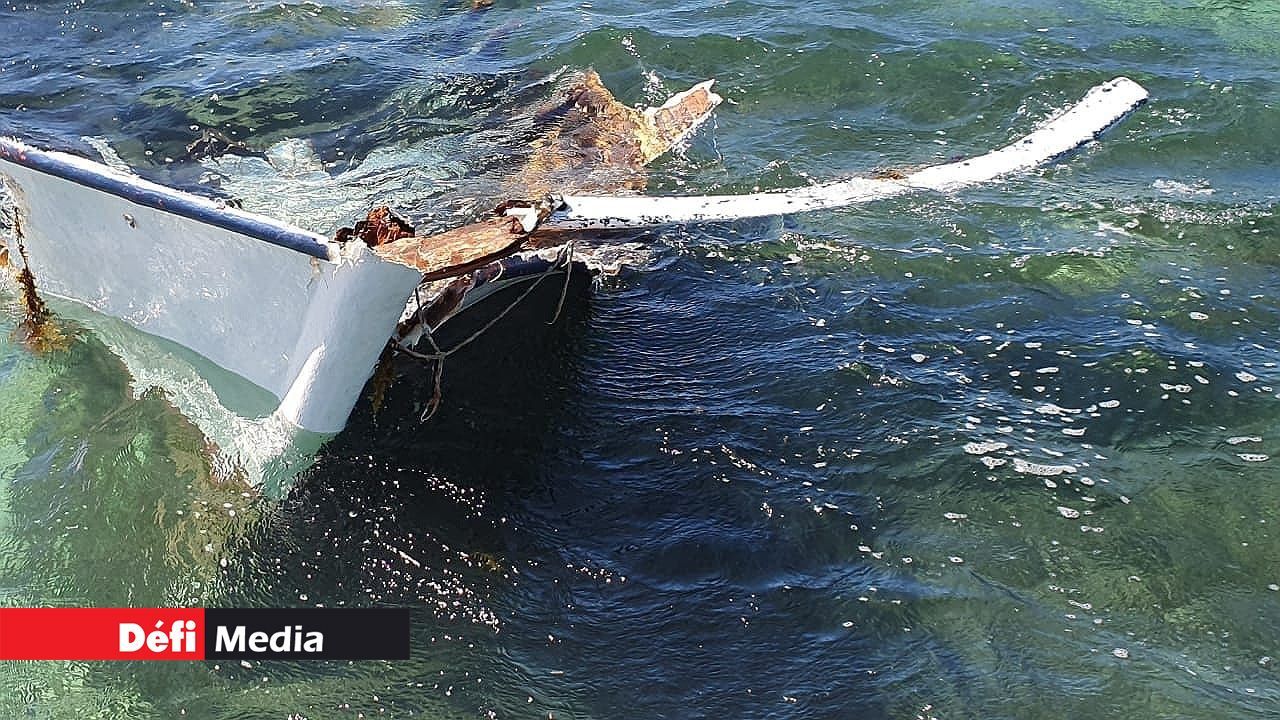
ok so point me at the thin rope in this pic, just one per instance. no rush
(426, 329)
(568, 275)
(438, 356)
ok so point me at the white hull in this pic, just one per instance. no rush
(247, 293)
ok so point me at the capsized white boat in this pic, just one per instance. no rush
(304, 318)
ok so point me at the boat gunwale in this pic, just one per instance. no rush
(100, 177)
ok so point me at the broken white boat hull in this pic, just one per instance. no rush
(305, 319)
(288, 310)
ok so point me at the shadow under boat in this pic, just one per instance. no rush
(505, 389)
(516, 325)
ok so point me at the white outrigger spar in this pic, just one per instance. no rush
(305, 318)
(1101, 107)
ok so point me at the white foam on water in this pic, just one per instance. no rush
(1041, 469)
(1243, 439)
(982, 448)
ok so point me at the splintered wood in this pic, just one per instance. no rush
(594, 142)
(382, 226)
(590, 140)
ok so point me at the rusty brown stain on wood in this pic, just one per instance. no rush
(36, 311)
(446, 301)
(380, 227)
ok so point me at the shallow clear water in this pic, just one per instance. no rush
(1002, 454)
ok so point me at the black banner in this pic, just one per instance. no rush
(307, 634)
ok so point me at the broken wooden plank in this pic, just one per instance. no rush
(457, 251)
(453, 252)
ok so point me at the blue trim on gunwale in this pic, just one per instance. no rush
(147, 194)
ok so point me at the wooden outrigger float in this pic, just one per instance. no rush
(305, 318)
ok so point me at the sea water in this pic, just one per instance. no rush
(1006, 453)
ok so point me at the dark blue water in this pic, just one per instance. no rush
(1001, 454)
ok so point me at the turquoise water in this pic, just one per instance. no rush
(1007, 453)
